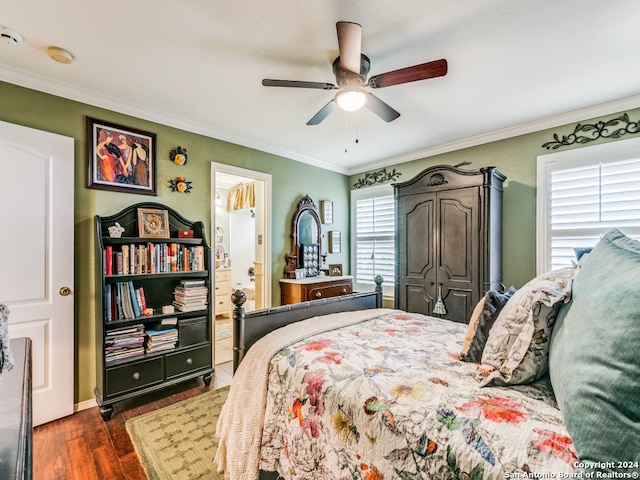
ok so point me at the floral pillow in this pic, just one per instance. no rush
(480, 323)
(517, 350)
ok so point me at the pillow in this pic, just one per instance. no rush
(517, 350)
(594, 362)
(481, 321)
(581, 251)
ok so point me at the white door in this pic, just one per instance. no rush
(36, 258)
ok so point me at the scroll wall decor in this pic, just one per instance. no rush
(588, 132)
(379, 176)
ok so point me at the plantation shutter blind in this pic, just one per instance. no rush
(588, 200)
(375, 233)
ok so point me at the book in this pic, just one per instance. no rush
(127, 307)
(198, 261)
(107, 302)
(169, 321)
(108, 259)
(141, 299)
(132, 258)
(134, 299)
(192, 283)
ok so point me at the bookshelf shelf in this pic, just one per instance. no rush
(139, 240)
(136, 278)
(140, 276)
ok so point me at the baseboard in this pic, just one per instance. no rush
(78, 407)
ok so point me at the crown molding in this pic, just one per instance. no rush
(60, 89)
(562, 119)
(64, 90)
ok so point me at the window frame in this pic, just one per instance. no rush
(620, 150)
(388, 287)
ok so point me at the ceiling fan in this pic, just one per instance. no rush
(351, 69)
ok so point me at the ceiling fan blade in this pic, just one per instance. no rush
(377, 106)
(350, 45)
(267, 82)
(323, 113)
(437, 68)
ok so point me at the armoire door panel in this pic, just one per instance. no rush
(459, 304)
(419, 221)
(418, 299)
(459, 235)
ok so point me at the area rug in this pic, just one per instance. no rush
(178, 442)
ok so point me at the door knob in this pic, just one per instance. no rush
(64, 291)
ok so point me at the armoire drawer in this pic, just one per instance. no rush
(187, 361)
(133, 376)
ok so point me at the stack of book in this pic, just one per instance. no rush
(160, 338)
(124, 342)
(190, 295)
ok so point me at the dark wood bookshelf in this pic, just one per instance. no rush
(125, 377)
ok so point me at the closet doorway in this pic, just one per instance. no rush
(241, 246)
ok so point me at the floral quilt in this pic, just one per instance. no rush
(388, 399)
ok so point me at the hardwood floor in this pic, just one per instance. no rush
(84, 447)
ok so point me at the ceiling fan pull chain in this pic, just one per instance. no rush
(346, 128)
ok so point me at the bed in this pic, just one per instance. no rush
(341, 388)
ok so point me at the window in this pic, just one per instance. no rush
(373, 227)
(582, 193)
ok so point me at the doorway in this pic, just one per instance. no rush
(241, 239)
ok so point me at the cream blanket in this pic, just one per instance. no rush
(239, 426)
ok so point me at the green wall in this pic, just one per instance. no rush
(290, 182)
(516, 158)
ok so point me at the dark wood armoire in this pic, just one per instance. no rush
(448, 239)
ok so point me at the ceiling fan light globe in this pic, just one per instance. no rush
(351, 100)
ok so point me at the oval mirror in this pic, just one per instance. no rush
(307, 229)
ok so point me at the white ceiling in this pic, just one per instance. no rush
(514, 66)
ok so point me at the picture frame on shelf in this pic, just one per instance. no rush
(334, 242)
(335, 269)
(153, 223)
(326, 211)
(120, 159)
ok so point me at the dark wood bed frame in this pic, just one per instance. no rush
(249, 327)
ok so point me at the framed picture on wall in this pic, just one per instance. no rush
(334, 242)
(120, 159)
(326, 211)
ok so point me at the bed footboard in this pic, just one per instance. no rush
(249, 327)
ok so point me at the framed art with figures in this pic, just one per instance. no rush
(120, 158)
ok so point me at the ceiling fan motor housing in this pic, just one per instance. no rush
(345, 78)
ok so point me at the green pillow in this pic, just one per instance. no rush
(594, 359)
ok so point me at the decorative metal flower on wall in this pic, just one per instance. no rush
(178, 155)
(179, 184)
